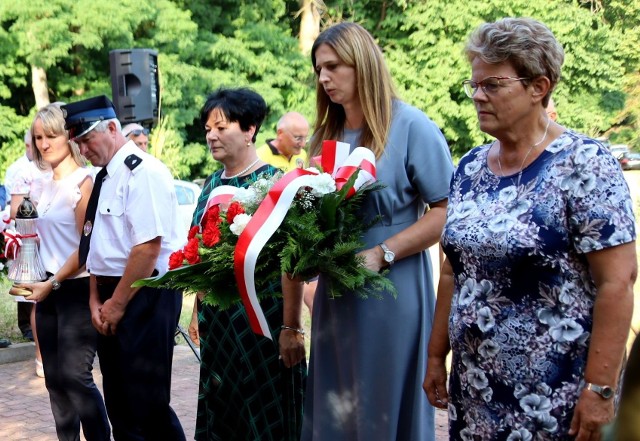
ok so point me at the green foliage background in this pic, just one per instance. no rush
(204, 44)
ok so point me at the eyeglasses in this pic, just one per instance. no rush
(138, 132)
(298, 138)
(490, 85)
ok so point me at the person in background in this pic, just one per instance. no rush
(536, 294)
(551, 110)
(67, 337)
(131, 227)
(24, 178)
(246, 391)
(138, 134)
(286, 151)
(4, 343)
(367, 357)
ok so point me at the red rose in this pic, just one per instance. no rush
(193, 231)
(176, 259)
(234, 209)
(211, 216)
(211, 235)
(191, 251)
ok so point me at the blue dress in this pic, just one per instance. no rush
(521, 313)
(368, 357)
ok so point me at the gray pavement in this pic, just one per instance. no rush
(25, 412)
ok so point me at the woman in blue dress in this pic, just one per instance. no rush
(535, 298)
(368, 356)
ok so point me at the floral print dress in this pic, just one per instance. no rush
(521, 313)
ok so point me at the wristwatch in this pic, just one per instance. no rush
(54, 283)
(389, 256)
(605, 392)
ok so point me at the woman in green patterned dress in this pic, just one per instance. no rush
(247, 391)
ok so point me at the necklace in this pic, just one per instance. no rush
(53, 198)
(224, 173)
(544, 136)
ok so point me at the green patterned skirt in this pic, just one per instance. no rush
(245, 392)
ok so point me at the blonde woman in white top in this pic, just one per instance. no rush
(67, 337)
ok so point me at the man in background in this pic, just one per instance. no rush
(286, 151)
(138, 134)
(133, 209)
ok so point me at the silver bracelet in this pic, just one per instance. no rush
(290, 328)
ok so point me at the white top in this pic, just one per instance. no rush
(24, 177)
(135, 206)
(12, 171)
(59, 236)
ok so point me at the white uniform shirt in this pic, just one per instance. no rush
(59, 236)
(135, 206)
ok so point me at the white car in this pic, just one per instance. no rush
(617, 150)
(187, 193)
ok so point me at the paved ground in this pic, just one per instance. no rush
(25, 413)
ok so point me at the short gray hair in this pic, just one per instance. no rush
(102, 125)
(526, 43)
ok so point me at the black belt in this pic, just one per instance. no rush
(114, 280)
(107, 280)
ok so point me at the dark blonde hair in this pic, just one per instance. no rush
(356, 48)
(526, 43)
(53, 124)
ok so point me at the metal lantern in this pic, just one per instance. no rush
(27, 265)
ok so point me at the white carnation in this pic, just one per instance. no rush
(322, 184)
(239, 223)
(246, 196)
(313, 169)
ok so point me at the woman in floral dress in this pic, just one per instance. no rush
(535, 299)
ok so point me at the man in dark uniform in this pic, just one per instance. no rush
(131, 228)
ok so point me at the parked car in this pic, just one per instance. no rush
(617, 150)
(630, 161)
(187, 193)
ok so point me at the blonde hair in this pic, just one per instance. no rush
(356, 48)
(53, 124)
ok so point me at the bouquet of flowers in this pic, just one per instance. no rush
(302, 223)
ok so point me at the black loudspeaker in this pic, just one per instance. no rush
(135, 86)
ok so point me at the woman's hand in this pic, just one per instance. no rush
(373, 258)
(435, 382)
(292, 349)
(39, 290)
(194, 333)
(291, 340)
(591, 413)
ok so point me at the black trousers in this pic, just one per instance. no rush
(136, 367)
(68, 345)
(24, 317)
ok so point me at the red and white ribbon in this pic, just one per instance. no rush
(273, 209)
(220, 195)
(341, 165)
(13, 242)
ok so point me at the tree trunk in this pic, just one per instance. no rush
(309, 24)
(39, 86)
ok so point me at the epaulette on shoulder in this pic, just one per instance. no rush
(132, 161)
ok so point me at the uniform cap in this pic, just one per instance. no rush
(83, 116)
